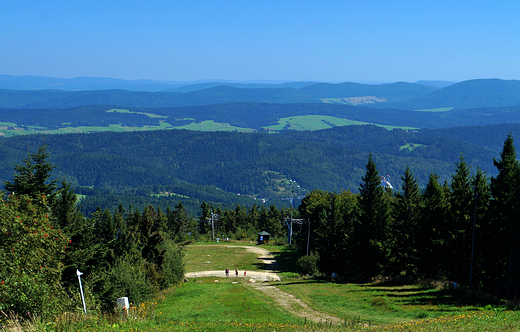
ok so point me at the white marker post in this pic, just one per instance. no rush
(81, 290)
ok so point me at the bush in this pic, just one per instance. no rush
(173, 266)
(128, 280)
(308, 265)
(31, 250)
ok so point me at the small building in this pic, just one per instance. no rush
(263, 237)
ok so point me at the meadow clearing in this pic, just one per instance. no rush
(220, 303)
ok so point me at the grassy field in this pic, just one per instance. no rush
(211, 125)
(232, 304)
(150, 115)
(219, 257)
(5, 132)
(410, 146)
(317, 122)
(307, 122)
(442, 109)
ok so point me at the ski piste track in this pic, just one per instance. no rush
(261, 281)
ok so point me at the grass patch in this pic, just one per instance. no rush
(211, 125)
(318, 122)
(410, 146)
(150, 115)
(440, 109)
(376, 304)
(169, 195)
(208, 257)
(82, 129)
(209, 301)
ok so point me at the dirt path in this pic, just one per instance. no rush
(294, 305)
(288, 301)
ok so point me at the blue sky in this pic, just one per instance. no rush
(334, 41)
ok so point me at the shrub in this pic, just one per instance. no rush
(308, 265)
(31, 250)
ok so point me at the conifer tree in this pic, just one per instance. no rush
(506, 194)
(460, 227)
(483, 258)
(433, 232)
(32, 176)
(204, 225)
(405, 226)
(370, 233)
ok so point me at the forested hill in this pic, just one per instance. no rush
(193, 164)
(410, 96)
(251, 116)
(468, 94)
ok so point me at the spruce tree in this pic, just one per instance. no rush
(460, 227)
(506, 205)
(370, 233)
(32, 176)
(433, 232)
(483, 258)
(405, 225)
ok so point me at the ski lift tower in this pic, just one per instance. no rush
(289, 222)
(214, 217)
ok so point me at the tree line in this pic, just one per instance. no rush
(45, 240)
(465, 231)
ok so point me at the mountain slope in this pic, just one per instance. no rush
(390, 92)
(468, 94)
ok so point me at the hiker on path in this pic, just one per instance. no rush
(236, 273)
(244, 274)
(227, 273)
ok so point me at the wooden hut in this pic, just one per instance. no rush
(263, 237)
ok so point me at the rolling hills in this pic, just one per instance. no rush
(316, 145)
(410, 96)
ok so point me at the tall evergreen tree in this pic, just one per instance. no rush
(506, 194)
(482, 256)
(405, 226)
(433, 231)
(461, 216)
(205, 216)
(370, 233)
(33, 176)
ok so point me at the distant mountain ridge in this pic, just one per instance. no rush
(393, 91)
(470, 94)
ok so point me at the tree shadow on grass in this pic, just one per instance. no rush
(286, 260)
(445, 297)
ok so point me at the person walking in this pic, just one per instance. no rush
(227, 273)
(236, 273)
(244, 274)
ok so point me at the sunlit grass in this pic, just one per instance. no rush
(440, 109)
(211, 125)
(208, 257)
(317, 122)
(228, 305)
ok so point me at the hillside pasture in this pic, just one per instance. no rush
(211, 125)
(440, 109)
(318, 122)
(6, 132)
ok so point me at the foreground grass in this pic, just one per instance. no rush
(208, 301)
(206, 305)
(379, 304)
(209, 306)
